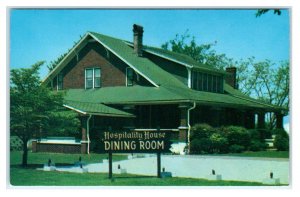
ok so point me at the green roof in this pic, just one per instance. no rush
(152, 95)
(95, 109)
(184, 59)
(167, 87)
(142, 65)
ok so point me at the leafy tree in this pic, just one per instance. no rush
(203, 53)
(31, 105)
(63, 122)
(263, 11)
(266, 81)
(263, 80)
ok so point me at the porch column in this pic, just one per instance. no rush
(84, 141)
(216, 117)
(183, 128)
(279, 120)
(130, 122)
(241, 118)
(250, 120)
(261, 120)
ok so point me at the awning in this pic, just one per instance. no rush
(96, 109)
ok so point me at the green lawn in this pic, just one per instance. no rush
(59, 159)
(31, 177)
(268, 154)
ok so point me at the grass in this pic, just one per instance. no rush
(267, 154)
(29, 176)
(60, 159)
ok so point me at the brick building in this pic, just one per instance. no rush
(116, 84)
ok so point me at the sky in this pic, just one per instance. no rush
(43, 34)
(46, 34)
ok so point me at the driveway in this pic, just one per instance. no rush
(230, 168)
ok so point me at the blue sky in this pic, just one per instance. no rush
(46, 34)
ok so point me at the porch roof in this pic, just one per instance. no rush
(95, 109)
(152, 95)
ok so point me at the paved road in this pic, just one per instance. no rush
(230, 168)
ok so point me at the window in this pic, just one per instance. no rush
(129, 76)
(97, 76)
(92, 78)
(60, 81)
(207, 82)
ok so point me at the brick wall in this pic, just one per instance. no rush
(58, 148)
(111, 75)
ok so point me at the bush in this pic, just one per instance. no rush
(219, 143)
(199, 131)
(200, 146)
(237, 136)
(200, 139)
(260, 134)
(257, 145)
(235, 148)
(281, 142)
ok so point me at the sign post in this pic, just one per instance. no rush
(135, 142)
(110, 165)
(158, 165)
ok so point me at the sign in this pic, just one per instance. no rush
(135, 142)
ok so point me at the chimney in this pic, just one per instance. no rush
(138, 39)
(231, 77)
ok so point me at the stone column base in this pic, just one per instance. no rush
(84, 147)
(183, 134)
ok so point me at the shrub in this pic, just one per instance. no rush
(219, 143)
(235, 148)
(200, 146)
(281, 142)
(200, 139)
(257, 145)
(199, 131)
(237, 136)
(260, 134)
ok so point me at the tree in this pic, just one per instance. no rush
(203, 53)
(63, 122)
(263, 11)
(266, 81)
(263, 80)
(31, 105)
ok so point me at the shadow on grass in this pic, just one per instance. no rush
(132, 177)
(35, 166)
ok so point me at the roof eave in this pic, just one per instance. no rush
(58, 68)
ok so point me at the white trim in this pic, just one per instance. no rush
(135, 69)
(56, 142)
(183, 127)
(189, 125)
(168, 58)
(155, 129)
(189, 77)
(93, 77)
(72, 108)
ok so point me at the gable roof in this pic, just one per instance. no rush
(167, 88)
